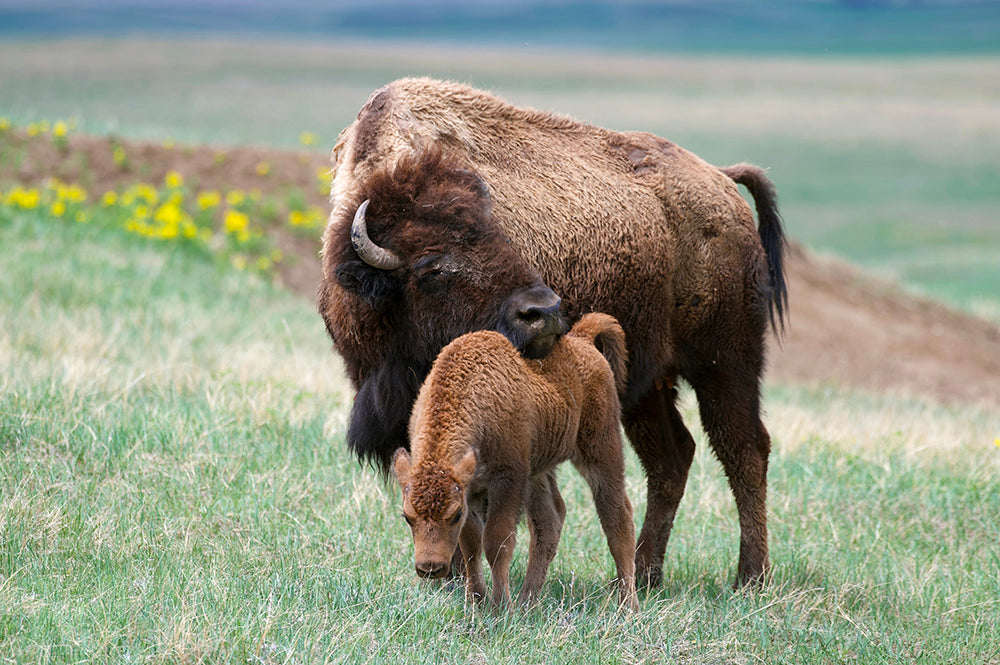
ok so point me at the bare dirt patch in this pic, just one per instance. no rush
(846, 328)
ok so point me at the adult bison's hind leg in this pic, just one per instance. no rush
(729, 403)
(665, 448)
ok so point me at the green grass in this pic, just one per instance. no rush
(175, 487)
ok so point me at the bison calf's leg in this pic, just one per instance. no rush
(546, 513)
(606, 477)
(507, 494)
(665, 448)
(470, 542)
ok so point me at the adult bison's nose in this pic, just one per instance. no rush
(533, 322)
(432, 569)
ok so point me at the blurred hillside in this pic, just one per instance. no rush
(720, 26)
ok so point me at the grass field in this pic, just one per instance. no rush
(174, 483)
(174, 487)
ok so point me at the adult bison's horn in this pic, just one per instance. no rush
(370, 253)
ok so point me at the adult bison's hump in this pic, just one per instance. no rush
(613, 221)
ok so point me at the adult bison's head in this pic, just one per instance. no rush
(419, 262)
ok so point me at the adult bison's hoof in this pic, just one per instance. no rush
(650, 577)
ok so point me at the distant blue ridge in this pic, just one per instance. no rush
(725, 26)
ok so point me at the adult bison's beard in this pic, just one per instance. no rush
(381, 413)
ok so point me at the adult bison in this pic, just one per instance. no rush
(625, 223)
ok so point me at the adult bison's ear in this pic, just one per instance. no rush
(481, 188)
(377, 287)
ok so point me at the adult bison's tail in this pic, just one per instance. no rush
(772, 235)
(604, 332)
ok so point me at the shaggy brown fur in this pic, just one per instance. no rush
(489, 428)
(458, 273)
(620, 222)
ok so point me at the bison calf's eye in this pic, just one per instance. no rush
(454, 520)
(409, 520)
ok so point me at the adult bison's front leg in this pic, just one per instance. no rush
(665, 449)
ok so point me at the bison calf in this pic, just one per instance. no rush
(487, 431)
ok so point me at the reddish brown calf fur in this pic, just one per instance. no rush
(487, 432)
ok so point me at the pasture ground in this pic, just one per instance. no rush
(174, 485)
(174, 488)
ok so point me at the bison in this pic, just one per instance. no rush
(487, 431)
(521, 205)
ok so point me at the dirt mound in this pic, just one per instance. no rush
(846, 328)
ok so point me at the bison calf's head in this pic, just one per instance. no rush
(435, 507)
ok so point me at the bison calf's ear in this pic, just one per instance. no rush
(401, 466)
(465, 469)
(377, 287)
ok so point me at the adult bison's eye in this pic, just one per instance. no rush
(434, 272)
(409, 520)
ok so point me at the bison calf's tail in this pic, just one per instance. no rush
(772, 235)
(604, 332)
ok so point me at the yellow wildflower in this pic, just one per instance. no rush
(148, 192)
(263, 168)
(209, 199)
(235, 221)
(168, 143)
(307, 138)
(118, 155)
(169, 213)
(58, 209)
(4, 124)
(82, 217)
(168, 231)
(34, 129)
(109, 199)
(997, 443)
(141, 212)
(26, 199)
(235, 197)
(173, 180)
(71, 193)
(263, 263)
(60, 129)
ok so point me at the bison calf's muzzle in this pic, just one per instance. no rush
(532, 321)
(432, 570)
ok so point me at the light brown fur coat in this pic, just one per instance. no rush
(487, 431)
